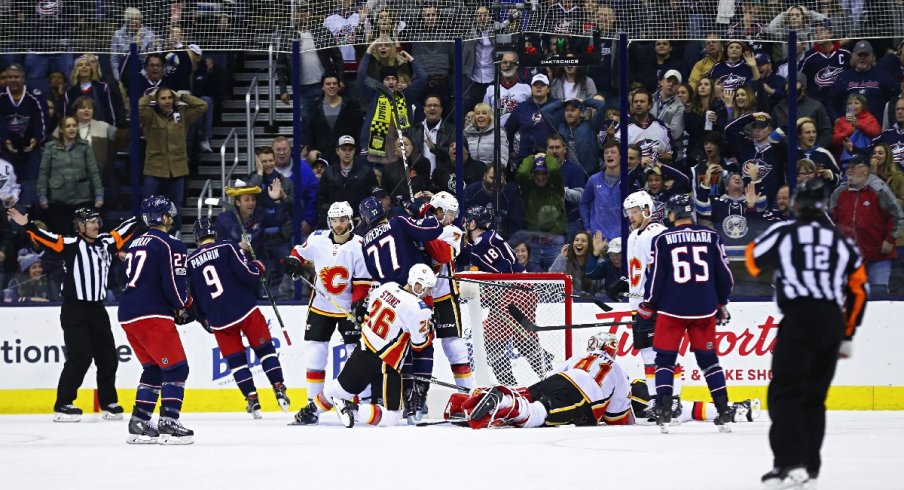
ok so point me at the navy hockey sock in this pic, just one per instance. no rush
(665, 372)
(173, 390)
(712, 371)
(270, 362)
(422, 362)
(148, 392)
(238, 364)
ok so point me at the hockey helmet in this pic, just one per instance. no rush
(340, 209)
(84, 215)
(445, 201)
(155, 207)
(603, 342)
(811, 196)
(203, 228)
(482, 215)
(421, 274)
(680, 206)
(639, 199)
(371, 210)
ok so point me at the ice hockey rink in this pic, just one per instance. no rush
(862, 450)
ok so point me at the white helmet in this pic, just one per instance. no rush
(639, 199)
(605, 342)
(340, 209)
(445, 201)
(421, 273)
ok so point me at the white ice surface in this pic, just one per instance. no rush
(862, 450)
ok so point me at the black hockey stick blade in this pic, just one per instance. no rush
(603, 306)
(431, 379)
(521, 318)
(457, 423)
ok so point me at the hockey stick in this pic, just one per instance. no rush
(333, 302)
(521, 318)
(431, 379)
(457, 423)
(603, 306)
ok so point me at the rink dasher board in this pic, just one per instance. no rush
(31, 359)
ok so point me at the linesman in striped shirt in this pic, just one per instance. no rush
(821, 288)
(86, 325)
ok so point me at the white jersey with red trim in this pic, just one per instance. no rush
(338, 267)
(640, 258)
(397, 319)
(603, 382)
(451, 235)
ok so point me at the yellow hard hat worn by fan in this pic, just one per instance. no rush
(240, 188)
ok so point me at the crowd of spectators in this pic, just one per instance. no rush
(709, 118)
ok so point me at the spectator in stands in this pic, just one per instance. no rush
(668, 109)
(749, 28)
(867, 211)
(31, 285)
(806, 170)
(319, 55)
(436, 58)
(740, 102)
(808, 148)
(165, 129)
(329, 117)
(837, 24)
(883, 165)
(737, 68)
(479, 60)
(473, 169)
(770, 88)
(131, 32)
(578, 133)
(511, 90)
(522, 255)
(738, 200)
(180, 60)
(432, 136)
(85, 82)
(571, 82)
(894, 135)
(684, 94)
(704, 111)
(387, 108)
(530, 123)
(606, 265)
(309, 181)
(807, 107)
(796, 18)
(208, 84)
(385, 27)
(56, 91)
(346, 24)
(394, 176)
(68, 178)
(102, 139)
(573, 259)
(540, 180)
(152, 77)
(761, 161)
(509, 213)
(866, 79)
(601, 203)
(275, 199)
(246, 216)
(713, 54)
(652, 74)
(481, 140)
(51, 27)
(888, 115)
(822, 64)
(855, 131)
(647, 131)
(713, 167)
(893, 62)
(383, 53)
(605, 72)
(22, 112)
(345, 180)
(782, 210)
(574, 179)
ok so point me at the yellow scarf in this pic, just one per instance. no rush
(382, 122)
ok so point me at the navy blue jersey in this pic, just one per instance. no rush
(391, 248)
(223, 285)
(23, 120)
(822, 70)
(731, 76)
(490, 253)
(156, 277)
(690, 276)
(894, 138)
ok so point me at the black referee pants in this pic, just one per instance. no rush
(87, 335)
(803, 364)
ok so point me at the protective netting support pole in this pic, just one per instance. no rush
(296, 150)
(623, 132)
(792, 111)
(135, 128)
(459, 125)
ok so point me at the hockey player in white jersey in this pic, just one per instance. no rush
(339, 272)
(587, 389)
(446, 312)
(398, 319)
(639, 208)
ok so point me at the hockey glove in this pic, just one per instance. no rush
(359, 309)
(723, 316)
(644, 325)
(261, 270)
(205, 325)
(617, 289)
(419, 209)
(294, 267)
(182, 316)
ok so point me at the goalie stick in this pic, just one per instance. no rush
(603, 306)
(528, 325)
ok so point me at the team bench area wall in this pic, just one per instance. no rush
(31, 357)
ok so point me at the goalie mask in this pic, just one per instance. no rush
(603, 342)
(423, 275)
(338, 210)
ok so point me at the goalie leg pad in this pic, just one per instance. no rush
(238, 364)
(270, 362)
(315, 359)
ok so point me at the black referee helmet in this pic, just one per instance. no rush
(810, 198)
(84, 215)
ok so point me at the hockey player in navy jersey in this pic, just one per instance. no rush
(484, 249)
(688, 287)
(339, 272)
(224, 286)
(155, 296)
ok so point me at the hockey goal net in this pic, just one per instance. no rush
(503, 351)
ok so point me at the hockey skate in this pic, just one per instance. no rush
(663, 412)
(726, 416)
(409, 410)
(491, 399)
(307, 415)
(747, 410)
(346, 411)
(420, 401)
(112, 411)
(172, 432)
(676, 410)
(794, 478)
(253, 405)
(142, 432)
(67, 413)
(280, 390)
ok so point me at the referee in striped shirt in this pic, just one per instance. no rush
(86, 325)
(821, 288)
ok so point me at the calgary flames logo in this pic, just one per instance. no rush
(334, 279)
(635, 271)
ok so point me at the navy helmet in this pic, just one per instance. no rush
(482, 215)
(680, 206)
(371, 210)
(204, 228)
(153, 208)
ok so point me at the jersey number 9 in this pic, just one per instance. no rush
(212, 279)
